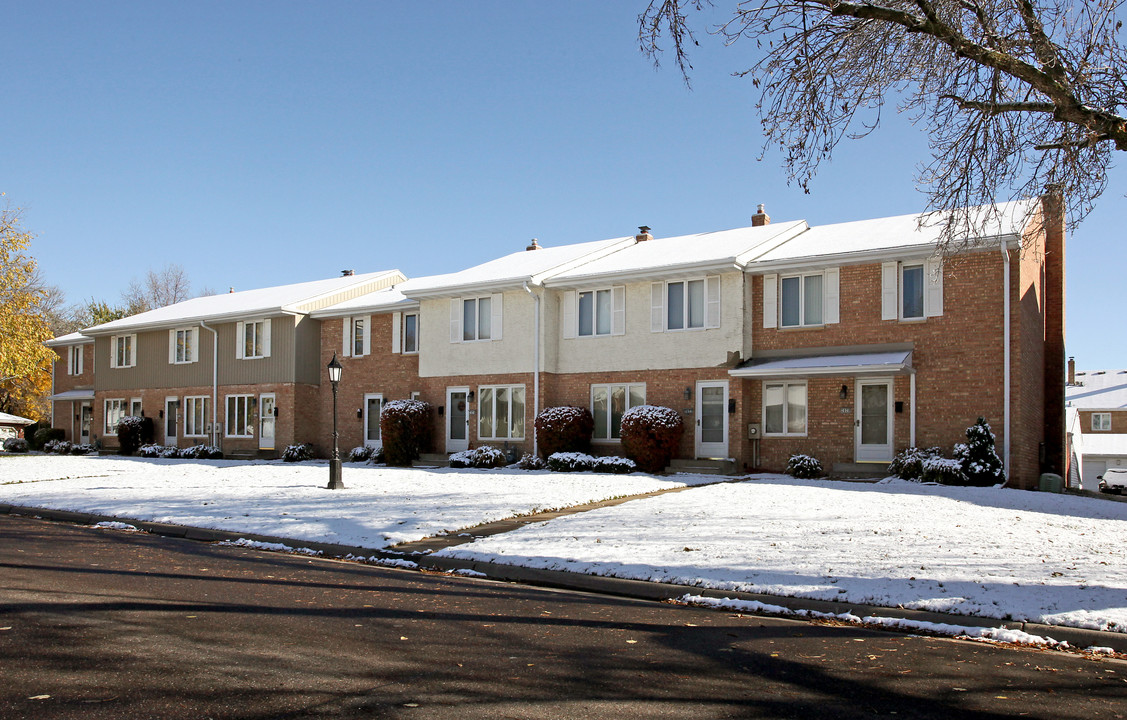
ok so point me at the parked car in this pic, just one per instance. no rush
(1113, 481)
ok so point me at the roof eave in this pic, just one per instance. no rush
(924, 250)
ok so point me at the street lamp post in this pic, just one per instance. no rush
(335, 482)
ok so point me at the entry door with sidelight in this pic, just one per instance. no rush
(873, 421)
(457, 419)
(267, 420)
(712, 419)
(373, 403)
(171, 412)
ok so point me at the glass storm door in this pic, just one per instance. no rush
(712, 419)
(87, 415)
(267, 419)
(372, 404)
(171, 408)
(457, 420)
(873, 421)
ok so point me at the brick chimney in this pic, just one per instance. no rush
(1072, 371)
(347, 273)
(760, 218)
(534, 245)
(643, 234)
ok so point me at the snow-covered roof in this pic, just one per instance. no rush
(282, 298)
(73, 395)
(387, 300)
(661, 257)
(510, 271)
(1104, 444)
(74, 338)
(9, 419)
(805, 365)
(864, 237)
(1098, 390)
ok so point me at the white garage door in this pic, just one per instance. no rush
(1092, 470)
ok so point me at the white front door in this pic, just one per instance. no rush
(267, 419)
(171, 412)
(86, 415)
(373, 402)
(873, 420)
(712, 419)
(457, 419)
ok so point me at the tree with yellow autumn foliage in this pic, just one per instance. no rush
(23, 329)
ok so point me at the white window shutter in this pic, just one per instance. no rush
(171, 346)
(770, 301)
(455, 320)
(712, 301)
(396, 323)
(113, 351)
(495, 322)
(568, 304)
(933, 295)
(889, 290)
(195, 345)
(366, 338)
(266, 338)
(240, 340)
(618, 305)
(346, 329)
(831, 296)
(133, 349)
(657, 307)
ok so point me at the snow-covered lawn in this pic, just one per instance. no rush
(378, 507)
(1029, 556)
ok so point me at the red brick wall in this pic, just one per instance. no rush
(1118, 421)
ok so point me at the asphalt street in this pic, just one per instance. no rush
(108, 624)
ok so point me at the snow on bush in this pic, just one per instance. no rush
(150, 451)
(908, 464)
(362, 453)
(405, 427)
(528, 461)
(803, 466)
(129, 430)
(42, 436)
(485, 456)
(943, 471)
(298, 453)
(82, 449)
(979, 461)
(60, 447)
(614, 464)
(201, 452)
(570, 462)
(564, 429)
(15, 445)
(651, 435)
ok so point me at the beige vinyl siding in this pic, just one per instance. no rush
(307, 362)
(351, 293)
(152, 368)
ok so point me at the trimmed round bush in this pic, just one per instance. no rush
(908, 464)
(616, 465)
(804, 466)
(362, 453)
(405, 426)
(480, 457)
(570, 462)
(943, 471)
(528, 461)
(129, 434)
(298, 453)
(16, 445)
(564, 429)
(42, 436)
(651, 435)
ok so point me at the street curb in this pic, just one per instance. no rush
(1078, 638)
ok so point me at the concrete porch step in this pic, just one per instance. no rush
(860, 471)
(431, 460)
(702, 467)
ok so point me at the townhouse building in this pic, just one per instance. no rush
(1096, 408)
(72, 386)
(849, 342)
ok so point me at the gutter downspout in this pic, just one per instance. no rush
(1006, 360)
(214, 377)
(536, 365)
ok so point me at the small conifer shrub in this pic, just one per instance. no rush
(651, 435)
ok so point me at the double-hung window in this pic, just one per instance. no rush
(500, 412)
(183, 346)
(359, 331)
(685, 304)
(1101, 421)
(411, 333)
(357, 336)
(609, 402)
(474, 319)
(135, 407)
(252, 339)
(123, 351)
(74, 360)
(239, 415)
(801, 300)
(595, 313)
(115, 411)
(197, 412)
(911, 290)
(784, 408)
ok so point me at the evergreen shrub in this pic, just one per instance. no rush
(15, 445)
(908, 464)
(564, 429)
(129, 434)
(480, 457)
(651, 435)
(359, 454)
(406, 427)
(978, 458)
(298, 453)
(804, 466)
(528, 461)
(616, 465)
(570, 462)
(42, 436)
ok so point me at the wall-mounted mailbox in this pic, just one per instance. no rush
(899, 406)
(731, 406)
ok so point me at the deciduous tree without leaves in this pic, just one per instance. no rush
(1017, 95)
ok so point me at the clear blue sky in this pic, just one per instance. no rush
(265, 143)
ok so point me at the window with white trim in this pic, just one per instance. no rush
(197, 413)
(115, 411)
(411, 332)
(500, 411)
(253, 342)
(911, 291)
(1101, 421)
(685, 304)
(801, 300)
(609, 402)
(784, 408)
(183, 346)
(74, 360)
(477, 319)
(360, 331)
(595, 313)
(135, 407)
(240, 416)
(123, 351)
(357, 336)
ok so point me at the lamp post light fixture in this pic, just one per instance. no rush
(335, 482)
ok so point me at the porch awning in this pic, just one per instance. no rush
(73, 395)
(880, 363)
